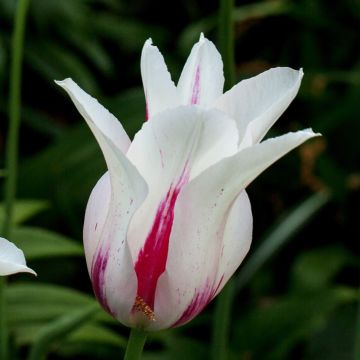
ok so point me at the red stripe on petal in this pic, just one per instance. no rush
(146, 110)
(196, 87)
(152, 258)
(198, 303)
(98, 268)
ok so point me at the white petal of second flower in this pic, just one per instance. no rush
(12, 259)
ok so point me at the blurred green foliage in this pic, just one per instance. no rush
(301, 303)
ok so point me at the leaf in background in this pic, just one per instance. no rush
(240, 14)
(90, 47)
(33, 306)
(316, 268)
(129, 33)
(172, 343)
(42, 122)
(36, 302)
(54, 331)
(40, 243)
(91, 333)
(54, 61)
(335, 340)
(279, 324)
(50, 12)
(129, 108)
(24, 210)
(74, 163)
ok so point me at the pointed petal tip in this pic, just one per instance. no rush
(148, 42)
(65, 82)
(12, 259)
(30, 271)
(59, 82)
(309, 132)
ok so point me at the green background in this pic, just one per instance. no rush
(297, 291)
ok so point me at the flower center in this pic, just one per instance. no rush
(151, 262)
(141, 306)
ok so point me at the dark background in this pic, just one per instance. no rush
(303, 301)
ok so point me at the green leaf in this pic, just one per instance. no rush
(240, 14)
(130, 33)
(89, 47)
(34, 303)
(94, 333)
(89, 333)
(54, 61)
(24, 210)
(33, 306)
(60, 328)
(277, 325)
(40, 243)
(336, 339)
(129, 108)
(316, 268)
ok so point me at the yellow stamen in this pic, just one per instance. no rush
(142, 306)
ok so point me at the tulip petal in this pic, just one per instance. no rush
(237, 239)
(169, 151)
(93, 111)
(186, 139)
(112, 269)
(195, 269)
(258, 102)
(95, 216)
(12, 259)
(202, 79)
(160, 90)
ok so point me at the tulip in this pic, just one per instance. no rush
(12, 259)
(170, 222)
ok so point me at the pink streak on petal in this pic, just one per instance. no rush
(196, 87)
(146, 110)
(152, 258)
(198, 303)
(98, 269)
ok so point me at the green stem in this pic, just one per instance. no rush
(226, 41)
(357, 335)
(3, 321)
(221, 323)
(135, 344)
(12, 151)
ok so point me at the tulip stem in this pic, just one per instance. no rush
(12, 151)
(221, 323)
(226, 41)
(135, 344)
(3, 321)
(357, 334)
